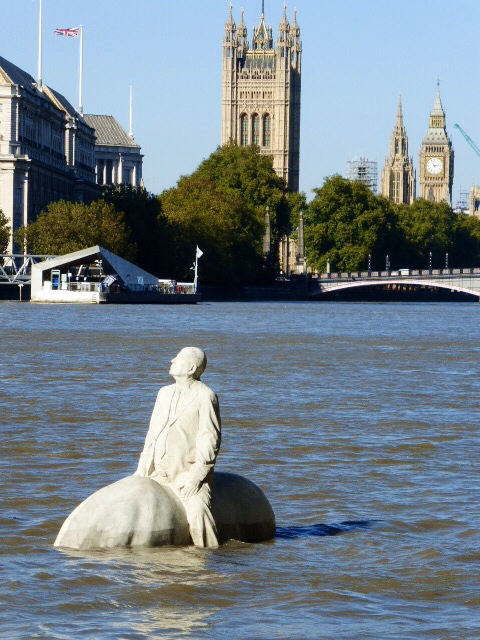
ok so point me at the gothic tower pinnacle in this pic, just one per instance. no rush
(398, 176)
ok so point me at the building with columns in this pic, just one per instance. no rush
(436, 158)
(261, 86)
(46, 149)
(118, 159)
(398, 175)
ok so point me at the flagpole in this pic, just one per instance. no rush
(198, 254)
(80, 79)
(131, 112)
(195, 280)
(39, 75)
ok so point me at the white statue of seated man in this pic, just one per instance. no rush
(183, 440)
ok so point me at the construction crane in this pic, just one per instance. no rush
(468, 139)
(474, 192)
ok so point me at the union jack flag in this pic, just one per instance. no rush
(72, 33)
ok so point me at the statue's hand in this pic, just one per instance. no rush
(190, 489)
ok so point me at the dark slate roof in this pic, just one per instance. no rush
(20, 77)
(17, 75)
(63, 103)
(109, 132)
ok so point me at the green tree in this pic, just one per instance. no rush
(221, 208)
(218, 221)
(70, 226)
(250, 175)
(296, 202)
(4, 232)
(345, 223)
(147, 225)
(427, 227)
(466, 245)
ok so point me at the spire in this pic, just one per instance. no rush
(284, 28)
(230, 24)
(437, 109)
(284, 22)
(242, 35)
(437, 114)
(262, 36)
(399, 140)
(230, 37)
(295, 23)
(399, 129)
(398, 176)
(295, 32)
(399, 113)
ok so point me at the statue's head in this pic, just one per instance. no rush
(190, 362)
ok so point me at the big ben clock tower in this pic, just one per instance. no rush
(436, 158)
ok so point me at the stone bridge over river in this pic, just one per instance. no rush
(449, 281)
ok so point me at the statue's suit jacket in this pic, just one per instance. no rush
(192, 437)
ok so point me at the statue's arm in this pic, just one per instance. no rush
(142, 463)
(208, 438)
(146, 454)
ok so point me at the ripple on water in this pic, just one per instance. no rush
(360, 423)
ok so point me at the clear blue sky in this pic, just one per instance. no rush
(357, 58)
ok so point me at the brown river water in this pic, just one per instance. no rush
(360, 422)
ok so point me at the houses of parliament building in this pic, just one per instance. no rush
(435, 162)
(261, 86)
(261, 89)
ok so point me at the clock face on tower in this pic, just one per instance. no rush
(434, 166)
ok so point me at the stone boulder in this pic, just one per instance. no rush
(137, 511)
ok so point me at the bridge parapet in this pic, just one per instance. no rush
(404, 273)
(462, 280)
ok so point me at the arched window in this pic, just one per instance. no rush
(243, 130)
(267, 130)
(256, 129)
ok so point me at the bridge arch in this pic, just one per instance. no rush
(331, 288)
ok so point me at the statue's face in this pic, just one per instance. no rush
(182, 364)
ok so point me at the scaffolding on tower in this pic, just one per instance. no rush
(365, 171)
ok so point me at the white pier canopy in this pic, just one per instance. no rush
(97, 275)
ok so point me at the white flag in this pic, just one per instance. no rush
(199, 253)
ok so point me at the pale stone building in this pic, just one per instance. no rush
(118, 159)
(398, 175)
(46, 148)
(261, 92)
(436, 158)
(474, 201)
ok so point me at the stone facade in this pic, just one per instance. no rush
(474, 201)
(261, 92)
(436, 158)
(46, 149)
(117, 157)
(398, 175)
